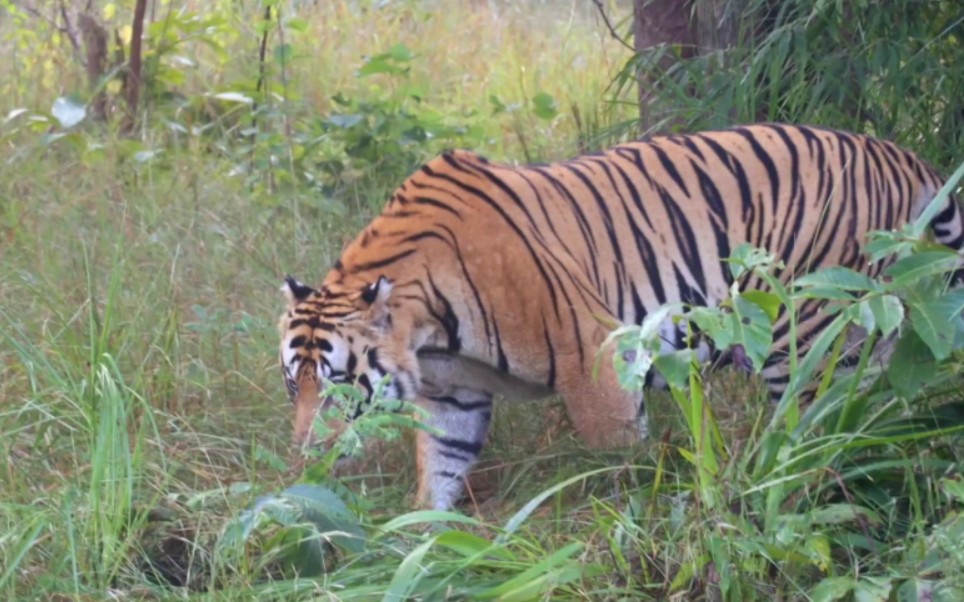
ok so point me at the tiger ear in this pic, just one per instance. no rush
(295, 291)
(375, 296)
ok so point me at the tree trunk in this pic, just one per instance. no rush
(133, 80)
(659, 23)
(694, 27)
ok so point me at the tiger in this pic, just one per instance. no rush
(480, 279)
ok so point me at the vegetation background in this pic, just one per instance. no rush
(165, 162)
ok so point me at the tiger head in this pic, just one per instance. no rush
(340, 334)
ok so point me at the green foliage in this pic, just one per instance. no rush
(859, 470)
(896, 71)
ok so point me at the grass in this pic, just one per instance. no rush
(140, 406)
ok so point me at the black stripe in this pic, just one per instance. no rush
(469, 447)
(463, 406)
(448, 319)
(503, 362)
(670, 168)
(438, 204)
(551, 379)
(454, 456)
(767, 162)
(374, 265)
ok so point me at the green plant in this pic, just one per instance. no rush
(860, 468)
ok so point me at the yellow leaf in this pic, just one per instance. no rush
(110, 9)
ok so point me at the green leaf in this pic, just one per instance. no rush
(400, 53)
(298, 24)
(746, 258)
(768, 302)
(823, 292)
(69, 111)
(675, 367)
(837, 277)
(833, 588)
(882, 244)
(911, 365)
(872, 589)
(470, 545)
(328, 513)
(283, 53)
(888, 312)
(752, 329)
(935, 321)
(908, 270)
(544, 106)
(917, 590)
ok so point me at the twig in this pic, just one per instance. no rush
(612, 30)
(262, 51)
(53, 23)
(262, 77)
(67, 26)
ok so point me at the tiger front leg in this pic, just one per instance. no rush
(444, 459)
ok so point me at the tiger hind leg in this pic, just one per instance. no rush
(602, 412)
(444, 458)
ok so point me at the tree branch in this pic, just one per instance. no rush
(609, 26)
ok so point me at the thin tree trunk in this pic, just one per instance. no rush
(133, 81)
(95, 45)
(656, 23)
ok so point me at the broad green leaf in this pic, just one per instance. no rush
(917, 590)
(68, 111)
(745, 258)
(888, 312)
(401, 53)
(908, 270)
(911, 365)
(832, 588)
(752, 328)
(883, 244)
(837, 277)
(873, 589)
(544, 106)
(817, 546)
(297, 24)
(328, 513)
(283, 53)
(935, 321)
(768, 302)
(823, 292)
(675, 367)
